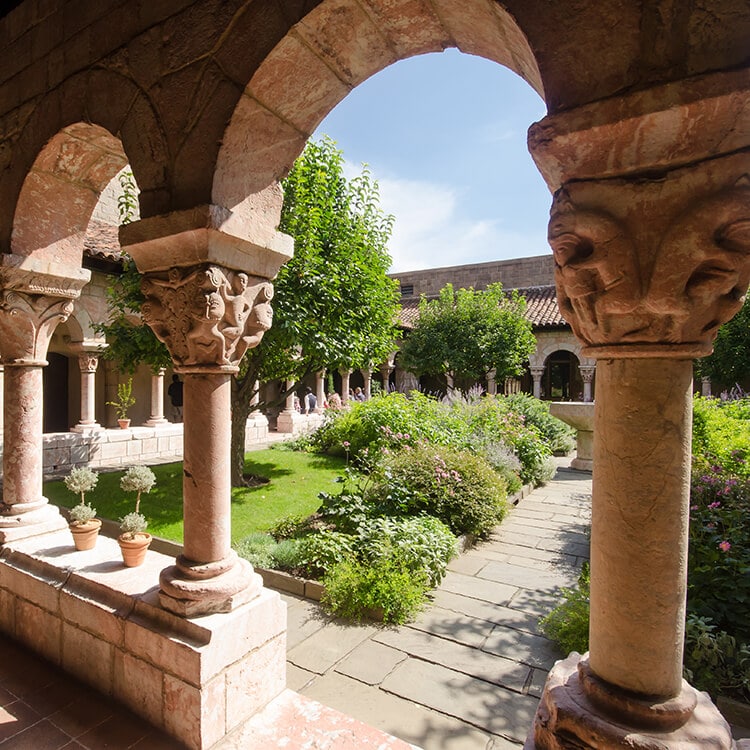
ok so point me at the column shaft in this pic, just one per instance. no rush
(22, 457)
(345, 386)
(157, 400)
(642, 434)
(207, 489)
(320, 394)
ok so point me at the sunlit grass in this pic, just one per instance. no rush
(295, 480)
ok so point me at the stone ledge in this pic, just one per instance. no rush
(295, 721)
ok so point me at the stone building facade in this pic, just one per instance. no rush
(645, 148)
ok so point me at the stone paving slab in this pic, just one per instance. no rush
(372, 661)
(411, 722)
(454, 626)
(459, 658)
(327, 646)
(477, 588)
(527, 578)
(494, 709)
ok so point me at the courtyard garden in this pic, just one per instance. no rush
(717, 641)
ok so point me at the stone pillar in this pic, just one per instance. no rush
(492, 383)
(587, 375)
(88, 362)
(385, 375)
(157, 418)
(2, 400)
(706, 386)
(320, 391)
(367, 375)
(536, 376)
(208, 316)
(631, 254)
(28, 319)
(289, 418)
(345, 373)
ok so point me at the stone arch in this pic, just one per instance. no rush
(78, 136)
(318, 62)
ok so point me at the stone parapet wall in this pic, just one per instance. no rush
(136, 445)
(95, 618)
(514, 274)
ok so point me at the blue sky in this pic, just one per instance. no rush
(445, 136)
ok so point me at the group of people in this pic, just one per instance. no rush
(309, 401)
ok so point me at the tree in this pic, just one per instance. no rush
(730, 362)
(334, 306)
(468, 333)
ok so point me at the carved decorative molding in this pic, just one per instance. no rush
(698, 278)
(27, 322)
(587, 373)
(207, 315)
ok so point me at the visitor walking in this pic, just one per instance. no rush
(175, 397)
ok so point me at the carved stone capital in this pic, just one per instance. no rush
(587, 373)
(27, 322)
(536, 372)
(661, 270)
(88, 362)
(207, 315)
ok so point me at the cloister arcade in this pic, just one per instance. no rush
(645, 152)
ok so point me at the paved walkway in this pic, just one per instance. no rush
(468, 674)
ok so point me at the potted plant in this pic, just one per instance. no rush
(134, 540)
(84, 526)
(125, 399)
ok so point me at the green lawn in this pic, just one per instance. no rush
(295, 480)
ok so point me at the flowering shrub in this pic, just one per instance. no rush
(722, 429)
(719, 551)
(560, 437)
(456, 486)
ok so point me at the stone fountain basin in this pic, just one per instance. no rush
(580, 415)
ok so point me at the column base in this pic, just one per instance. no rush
(87, 428)
(41, 520)
(582, 464)
(161, 422)
(289, 422)
(190, 589)
(579, 712)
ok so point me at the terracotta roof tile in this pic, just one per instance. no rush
(102, 241)
(541, 308)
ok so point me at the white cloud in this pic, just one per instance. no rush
(431, 232)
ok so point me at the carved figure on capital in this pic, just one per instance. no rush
(27, 322)
(596, 268)
(702, 269)
(207, 315)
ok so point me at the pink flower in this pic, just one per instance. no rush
(725, 546)
(346, 443)
(714, 505)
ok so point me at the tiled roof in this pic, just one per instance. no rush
(102, 241)
(541, 308)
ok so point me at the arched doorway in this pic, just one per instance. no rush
(562, 378)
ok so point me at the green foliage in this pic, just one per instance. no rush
(568, 623)
(467, 333)
(356, 590)
(319, 552)
(82, 513)
(138, 479)
(288, 527)
(257, 548)
(730, 361)
(714, 661)
(422, 545)
(132, 524)
(81, 480)
(560, 437)
(125, 399)
(288, 555)
(456, 486)
(722, 430)
(127, 202)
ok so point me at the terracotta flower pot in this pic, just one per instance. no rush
(124, 423)
(84, 534)
(134, 550)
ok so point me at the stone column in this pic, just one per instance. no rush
(289, 417)
(706, 386)
(587, 375)
(630, 266)
(208, 316)
(492, 383)
(88, 363)
(385, 375)
(157, 418)
(2, 400)
(367, 375)
(345, 373)
(28, 319)
(320, 391)
(536, 376)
